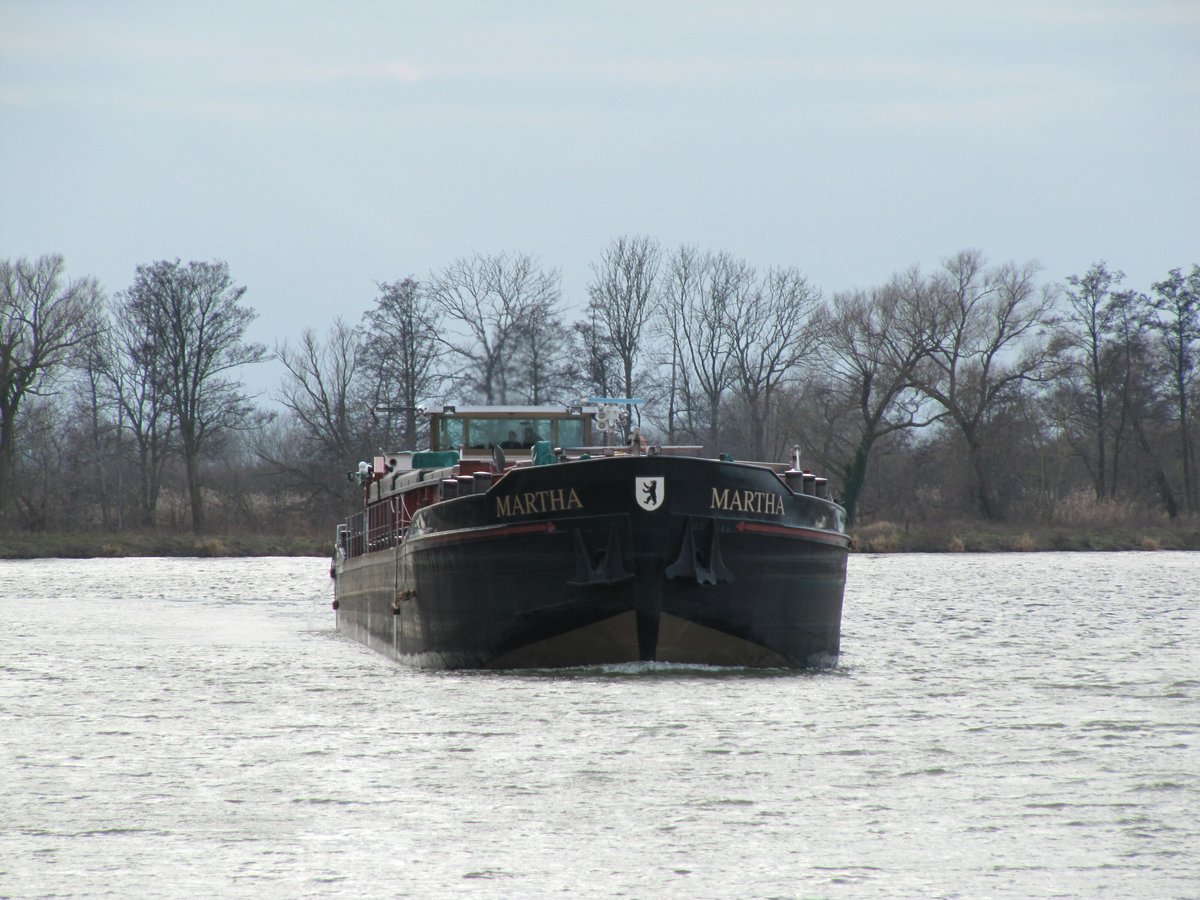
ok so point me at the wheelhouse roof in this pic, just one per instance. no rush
(503, 412)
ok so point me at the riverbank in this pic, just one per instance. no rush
(982, 537)
(879, 537)
(26, 545)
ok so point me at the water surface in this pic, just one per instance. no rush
(1010, 725)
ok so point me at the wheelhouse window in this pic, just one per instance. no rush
(509, 434)
(481, 434)
(533, 430)
(570, 433)
(449, 433)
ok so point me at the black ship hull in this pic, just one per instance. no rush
(671, 559)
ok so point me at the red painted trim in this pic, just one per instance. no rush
(792, 531)
(486, 533)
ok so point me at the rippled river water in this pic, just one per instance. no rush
(1022, 725)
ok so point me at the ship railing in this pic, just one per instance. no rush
(649, 450)
(353, 535)
(381, 527)
(378, 527)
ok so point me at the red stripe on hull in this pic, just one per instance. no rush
(486, 533)
(807, 534)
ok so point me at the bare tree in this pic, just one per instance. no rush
(99, 409)
(543, 370)
(325, 429)
(319, 392)
(1127, 364)
(44, 318)
(195, 316)
(402, 356)
(875, 343)
(597, 363)
(1142, 399)
(1087, 333)
(697, 295)
(622, 295)
(490, 297)
(138, 382)
(770, 334)
(1177, 301)
(989, 343)
(679, 287)
(40, 459)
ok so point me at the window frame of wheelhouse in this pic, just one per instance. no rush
(476, 431)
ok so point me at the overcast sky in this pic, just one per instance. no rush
(319, 148)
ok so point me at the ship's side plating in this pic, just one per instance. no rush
(679, 559)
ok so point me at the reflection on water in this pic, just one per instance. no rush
(1012, 725)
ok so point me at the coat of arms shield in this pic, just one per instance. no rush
(648, 492)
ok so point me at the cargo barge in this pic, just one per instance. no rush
(519, 540)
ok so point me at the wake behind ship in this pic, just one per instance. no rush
(581, 555)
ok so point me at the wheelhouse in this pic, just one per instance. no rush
(476, 431)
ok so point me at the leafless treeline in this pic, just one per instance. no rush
(970, 390)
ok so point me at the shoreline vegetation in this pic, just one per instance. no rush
(877, 537)
(969, 393)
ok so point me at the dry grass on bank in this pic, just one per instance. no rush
(1079, 522)
(982, 537)
(27, 545)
